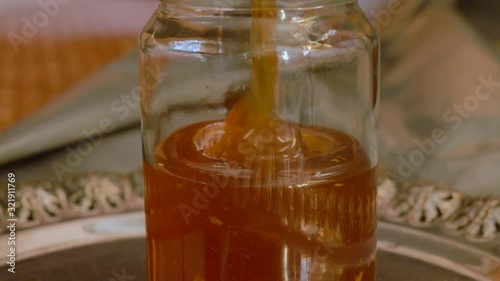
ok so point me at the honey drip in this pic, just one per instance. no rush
(252, 119)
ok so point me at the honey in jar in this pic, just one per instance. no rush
(235, 190)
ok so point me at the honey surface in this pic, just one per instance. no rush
(307, 218)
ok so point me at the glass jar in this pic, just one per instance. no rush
(259, 125)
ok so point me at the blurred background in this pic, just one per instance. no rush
(67, 65)
(42, 60)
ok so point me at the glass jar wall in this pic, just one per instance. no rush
(259, 124)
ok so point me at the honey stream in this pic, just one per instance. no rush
(253, 114)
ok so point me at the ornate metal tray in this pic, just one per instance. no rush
(113, 248)
(426, 231)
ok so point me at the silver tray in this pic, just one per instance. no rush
(113, 248)
(90, 226)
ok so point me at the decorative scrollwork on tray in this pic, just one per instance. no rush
(77, 196)
(417, 203)
(426, 204)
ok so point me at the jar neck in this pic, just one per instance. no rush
(247, 4)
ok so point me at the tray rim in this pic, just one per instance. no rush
(110, 228)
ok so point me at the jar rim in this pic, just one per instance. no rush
(246, 4)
